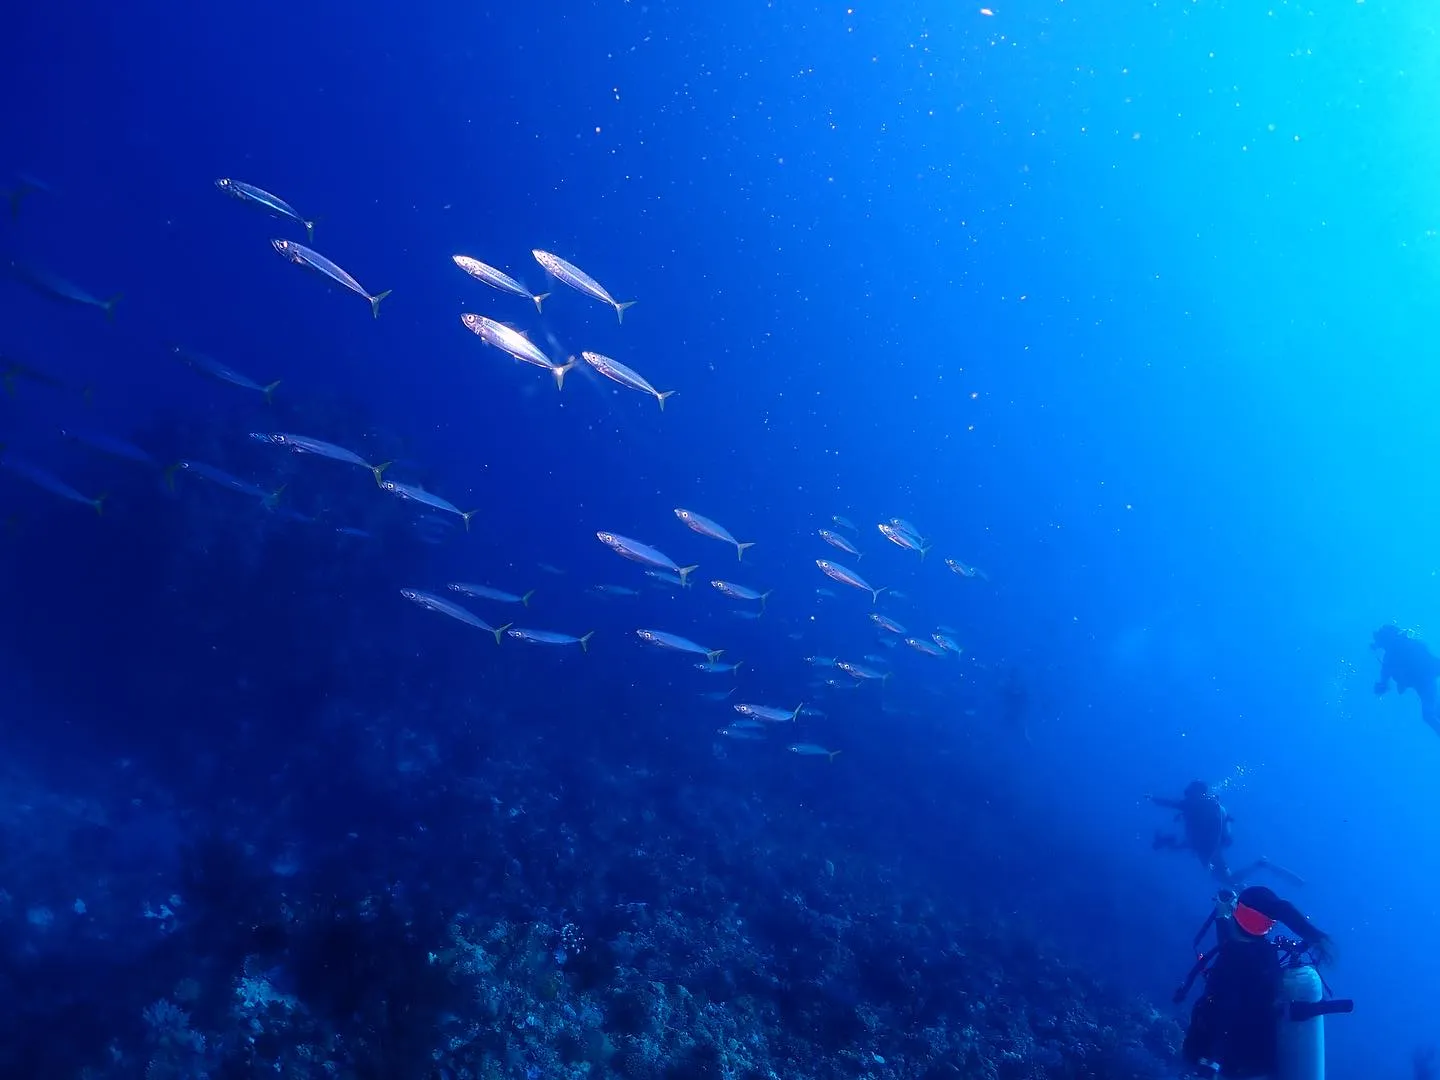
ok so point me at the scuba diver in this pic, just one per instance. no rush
(1251, 988)
(1207, 833)
(1409, 662)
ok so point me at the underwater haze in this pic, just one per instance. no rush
(1099, 335)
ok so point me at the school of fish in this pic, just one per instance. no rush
(752, 722)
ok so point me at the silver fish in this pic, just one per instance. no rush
(418, 494)
(249, 193)
(219, 476)
(860, 671)
(57, 288)
(705, 527)
(50, 482)
(741, 592)
(770, 714)
(485, 592)
(303, 444)
(836, 572)
(835, 540)
(625, 376)
(498, 279)
(966, 571)
(806, 749)
(886, 623)
(843, 522)
(108, 444)
(946, 642)
(549, 637)
(13, 371)
(615, 590)
(644, 553)
(23, 186)
(509, 340)
(924, 647)
(431, 602)
(741, 734)
(567, 273)
(673, 641)
(216, 370)
(301, 255)
(712, 667)
(900, 537)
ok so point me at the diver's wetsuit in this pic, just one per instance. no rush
(1409, 662)
(1207, 829)
(1234, 1020)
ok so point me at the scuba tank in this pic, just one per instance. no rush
(1300, 1044)
(1304, 1002)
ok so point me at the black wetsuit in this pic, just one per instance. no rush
(1234, 1022)
(1409, 662)
(1207, 830)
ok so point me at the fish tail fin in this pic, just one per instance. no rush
(99, 502)
(875, 593)
(375, 302)
(763, 597)
(539, 299)
(270, 391)
(273, 499)
(309, 231)
(466, 516)
(740, 549)
(925, 550)
(559, 373)
(859, 555)
(620, 310)
(662, 395)
(500, 630)
(526, 598)
(585, 641)
(832, 755)
(735, 670)
(109, 306)
(713, 655)
(379, 471)
(685, 572)
(170, 471)
(795, 716)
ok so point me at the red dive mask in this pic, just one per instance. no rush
(1252, 921)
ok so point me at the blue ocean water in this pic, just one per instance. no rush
(1125, 308)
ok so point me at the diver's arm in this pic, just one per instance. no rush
(1383, 683)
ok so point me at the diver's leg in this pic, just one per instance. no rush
(1263, 863)
(1426, 692)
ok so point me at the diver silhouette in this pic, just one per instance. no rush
(1409, 662)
